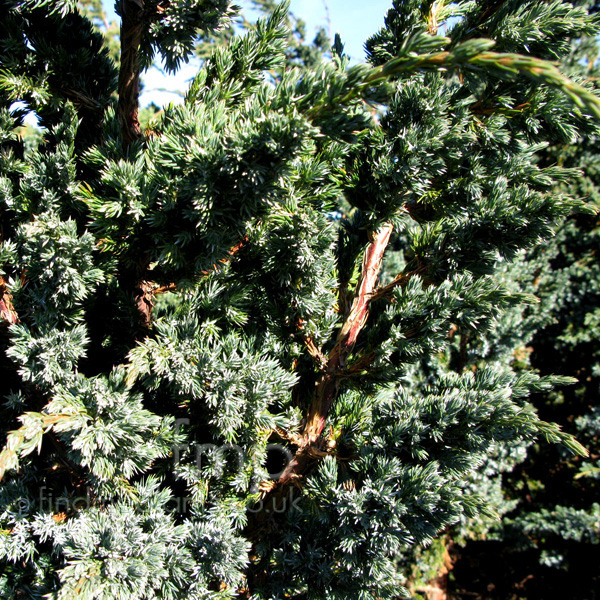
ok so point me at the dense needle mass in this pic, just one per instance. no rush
(231, 341)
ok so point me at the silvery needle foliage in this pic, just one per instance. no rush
(205, 367)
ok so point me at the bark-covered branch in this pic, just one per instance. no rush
(327, 387)
(7, 311)
(132, 21)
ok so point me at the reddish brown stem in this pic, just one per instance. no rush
(359, 311)
(328, 386)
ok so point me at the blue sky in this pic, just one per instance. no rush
(354, 20)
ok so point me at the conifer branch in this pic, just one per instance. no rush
(400, 280)
(163, 289)
(80, 99)
(27, 438)
(478, 108)
(129, 74)
(328, 386)
(359, 311)
(472, 55)
(230, 254)
(368, 427)
(357, 367)
(145, 290)
(313, 349)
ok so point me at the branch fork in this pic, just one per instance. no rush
(327, 388)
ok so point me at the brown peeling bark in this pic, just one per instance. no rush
(144, 300)
(144, 296)
(7, 312)
(327, 388)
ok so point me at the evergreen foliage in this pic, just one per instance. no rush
(551, 529)
(233, 347)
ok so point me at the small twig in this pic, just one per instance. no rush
(163, 289)
(479, 109)
(314, 351)
(399, 281)
(312, 348)
(83, 100)
(290, 436)
(358, 367)
(146, 290)
(232, 252)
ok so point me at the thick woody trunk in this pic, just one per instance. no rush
(132, 22)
